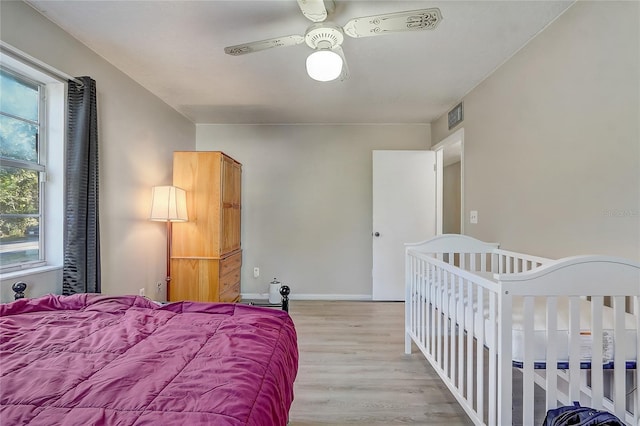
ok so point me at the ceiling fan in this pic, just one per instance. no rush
(327, 62)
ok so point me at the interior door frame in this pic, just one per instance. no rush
(448, 143)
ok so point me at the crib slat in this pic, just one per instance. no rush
(552, 353)
(439, 326)
(619, 397)
(422, 279)
(505, 354)
(419, 302)
(419, 293)
(423, 299)
(527, 373)
(434, 294)
(426, 302)
(410, 296)
(636, 399)
(597, 385)
(574, 348)
(480, 355)
(454, 320)
(470, 318)
(493, 376)
(423, 303)
(428, 306)
(494, 260)
(446, 320)
(461, 337)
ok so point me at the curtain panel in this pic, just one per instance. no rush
(81, 270)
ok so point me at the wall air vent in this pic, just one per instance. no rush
(456, 115)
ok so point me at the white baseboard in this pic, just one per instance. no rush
(308, 296)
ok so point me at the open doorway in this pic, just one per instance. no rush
(450, 184)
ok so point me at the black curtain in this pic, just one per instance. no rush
(81, 271)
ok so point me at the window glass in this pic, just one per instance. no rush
(19, 248)
(18, 139)
(20, 191)
(18, 97)
(20, 171)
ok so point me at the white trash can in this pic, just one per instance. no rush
(274, 291)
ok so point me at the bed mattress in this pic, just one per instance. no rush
(90, 359)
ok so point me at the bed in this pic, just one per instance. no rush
(513, 335)
(92, 359)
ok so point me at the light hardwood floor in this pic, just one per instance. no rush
(353, 370)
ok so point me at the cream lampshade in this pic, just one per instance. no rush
(168, 204)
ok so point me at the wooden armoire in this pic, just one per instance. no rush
(206, 255)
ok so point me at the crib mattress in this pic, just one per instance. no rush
(479, 323)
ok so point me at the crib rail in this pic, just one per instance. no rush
(460, 310)
(437, 316)
(511, 262)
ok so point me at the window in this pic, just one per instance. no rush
(32, 111)
(22, 171)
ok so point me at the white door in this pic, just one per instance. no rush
(404, 211)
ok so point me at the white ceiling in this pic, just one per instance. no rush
(175, 50)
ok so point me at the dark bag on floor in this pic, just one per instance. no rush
(575, 415)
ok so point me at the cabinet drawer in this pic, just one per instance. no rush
(230, 263)
(231, 294)
(229, 280)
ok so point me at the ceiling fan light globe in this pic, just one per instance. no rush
(324, 65)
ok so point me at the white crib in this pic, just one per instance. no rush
(511, 334)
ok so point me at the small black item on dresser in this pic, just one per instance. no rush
(19, 287)
(284, 292)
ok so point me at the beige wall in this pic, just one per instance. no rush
(137, 135)
(552, 140)
(552, 159)
(307, 201)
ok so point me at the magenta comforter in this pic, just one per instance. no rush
(90, 360)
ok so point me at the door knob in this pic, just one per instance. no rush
(376, 234)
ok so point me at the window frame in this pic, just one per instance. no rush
(50, 165)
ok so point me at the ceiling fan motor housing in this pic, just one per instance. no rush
(324, 35)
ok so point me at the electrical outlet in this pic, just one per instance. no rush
(473, 216)
(141, 292)
(256, 272)
(158, 287)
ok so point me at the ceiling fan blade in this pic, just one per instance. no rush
(256, 46)
(423, 19)
(345, 69)
(316, 10)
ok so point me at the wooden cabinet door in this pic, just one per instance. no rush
(199, 174)
(231, 196)
(195, 280)
(184, 280)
